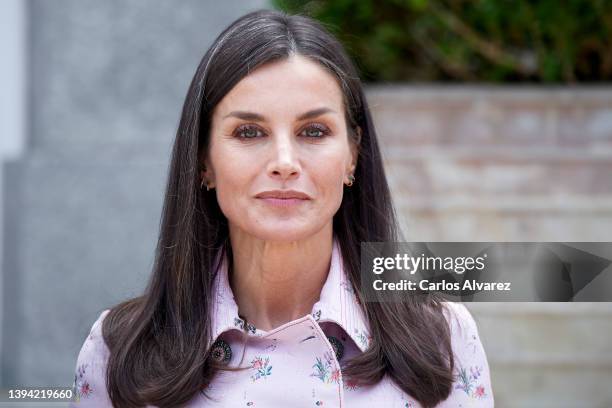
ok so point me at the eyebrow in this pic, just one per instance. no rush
(245, 115)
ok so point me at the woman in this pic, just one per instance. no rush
(275, 179)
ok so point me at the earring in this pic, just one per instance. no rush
(202, 185)
(203, 179)
(351, 180)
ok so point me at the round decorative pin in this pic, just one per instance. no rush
(337, 345)
(221, 352)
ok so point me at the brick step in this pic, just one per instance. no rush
(478, 222)
(570, 154)
(500, 176)
(552, 387)
(546, 358)
(505, 203)
(492, 117)
(548, 354)
(556, 335)
(549, 309)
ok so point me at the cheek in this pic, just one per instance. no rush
(233, 166)
(328, 178)
(232, 179)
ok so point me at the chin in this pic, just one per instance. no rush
(285, 233)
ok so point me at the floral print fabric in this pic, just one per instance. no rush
(296, 364)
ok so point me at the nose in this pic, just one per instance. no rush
(284, 160)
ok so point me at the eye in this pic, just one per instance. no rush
(316, 131)
(247, 132)
(313, 131)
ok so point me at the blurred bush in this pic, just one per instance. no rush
(547, 41)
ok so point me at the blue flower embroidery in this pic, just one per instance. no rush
(323, 369)
(262, 367)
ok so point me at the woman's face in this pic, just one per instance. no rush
(282, 127)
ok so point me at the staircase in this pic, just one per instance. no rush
(512, 164)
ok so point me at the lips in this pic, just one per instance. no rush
(284, 195)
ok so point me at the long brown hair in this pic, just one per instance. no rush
(159, 342)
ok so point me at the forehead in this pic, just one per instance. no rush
(295, 84)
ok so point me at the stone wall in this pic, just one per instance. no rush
(499, 164)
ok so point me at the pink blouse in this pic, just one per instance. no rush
(298, 363)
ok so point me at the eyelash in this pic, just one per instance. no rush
(317, 126)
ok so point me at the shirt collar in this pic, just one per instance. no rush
(337, 303)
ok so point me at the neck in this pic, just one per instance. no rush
(275, 282)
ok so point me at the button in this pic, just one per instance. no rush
(337, 346)
(221, 352)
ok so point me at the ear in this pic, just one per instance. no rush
(207, 173)
(355, 147)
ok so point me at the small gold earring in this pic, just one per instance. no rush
(351, 180)
(202, 185)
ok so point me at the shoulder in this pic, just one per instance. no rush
(94, 342)
(90, 371)
(460, 320)
(464, 333)
(472, 383)
(97, 325)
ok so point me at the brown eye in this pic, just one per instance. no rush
(316, 131)
(247, 132)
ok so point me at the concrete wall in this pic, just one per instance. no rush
(82, 204)
(12, 100)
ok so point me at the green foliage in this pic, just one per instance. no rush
(547, 41)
